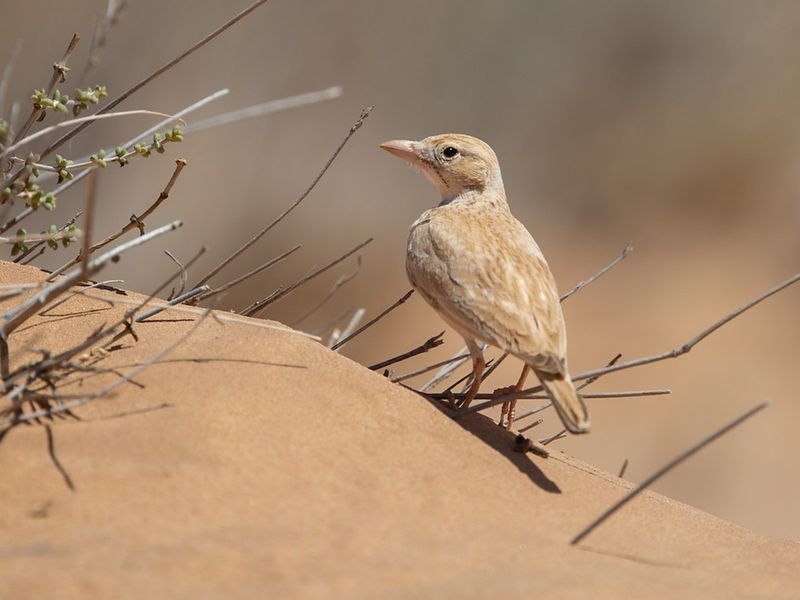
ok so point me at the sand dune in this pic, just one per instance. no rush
(256, 463)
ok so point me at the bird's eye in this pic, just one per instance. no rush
(449, 152)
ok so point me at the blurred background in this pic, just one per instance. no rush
(671, 125)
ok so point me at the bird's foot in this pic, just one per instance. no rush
(452, 403)
(508, 410)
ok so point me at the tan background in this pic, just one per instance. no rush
(672, 125)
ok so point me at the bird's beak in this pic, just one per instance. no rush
(405, 149)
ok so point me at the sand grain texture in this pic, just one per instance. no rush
(256, 463)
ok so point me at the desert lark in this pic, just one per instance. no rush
(482, 271)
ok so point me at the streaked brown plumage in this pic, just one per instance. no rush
(481, 270)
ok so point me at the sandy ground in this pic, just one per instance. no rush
(256, 463)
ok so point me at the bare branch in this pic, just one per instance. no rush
(67, 406)
(87, 119)
(19, 314)
(134, 223)
(160, 71)
(627, 250)
(259, 305)
(369, 324)
(458, 358)
(666, 469)
(429, 344)
(265, 108)
(211, 293)
(182, 298)
(59, 68)
(680, 350)
(355, 127)
(346, 278)
(354, 321)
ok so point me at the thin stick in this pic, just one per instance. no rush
(346, 278)
(627, 250)
(134, 223)
(354, 321)
(89, 118)
(88, 210)
(6, 77)
(680, 350)
(160, 71)
(104, 25)
(265, 108)
(666, 469)
(182, 298)
(623, 469)
(58, 71)
(211, 293)
(449, 367)
(429, 344)
(457, 357)
(355, 127)
(258, 306)
(19, 314)
(369, 324)
(184, 274)
(561, 434)
(112, 386)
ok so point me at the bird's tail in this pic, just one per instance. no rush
(568, 403)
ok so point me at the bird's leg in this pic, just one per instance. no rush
(478, 364)
(509, 407)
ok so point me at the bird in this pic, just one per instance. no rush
(481, 270)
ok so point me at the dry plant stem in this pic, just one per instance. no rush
(265, 108)
(561, 434)
(90, 118)
(32, 258)
(184, 274)
(182, 298)
(666, 469)
(160, 71)
(346, 278)
(88, 209)
(355, 127)
(18, 315)
(258, 306)
(369, 324)
(428, 345)
(423, 370)
(449, 366)
(354, 321)
(582, 284)
(674, 353)
(211, 293)
(51, 86)
(104, 25)
(33, 248)
(6, 77)
(87, 165)
(623, 469)
(134, 223)
(112, 386)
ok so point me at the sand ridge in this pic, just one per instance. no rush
(255, 462)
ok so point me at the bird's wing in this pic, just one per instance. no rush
(484, 272)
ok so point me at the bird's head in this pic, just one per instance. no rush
(456, 164)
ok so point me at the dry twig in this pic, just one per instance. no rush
(666, 469)
(369, 324)
(355, 127)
